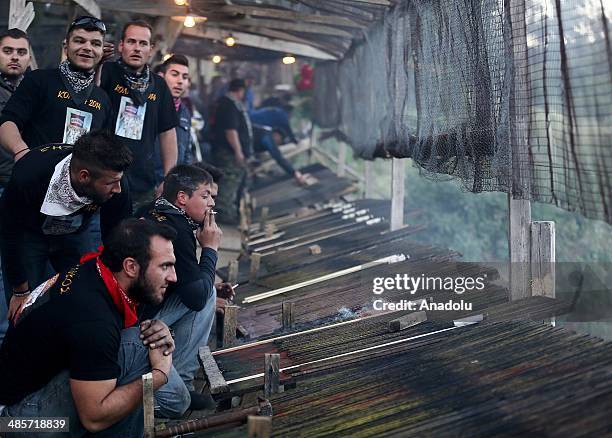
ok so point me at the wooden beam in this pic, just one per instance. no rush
(519, 237)
(288, 314)
(216, 381)
(284, 14)
(370, 2)
(341, 171)
(318, 29)
(259, 427)
(233, 271)
(148, 405)
(543, 259)
(165, 33)
(368, 180)
(90, 6)
(352, 11)
(398, 172)
(20, 15)
(271, 374)
(255, 263)
(230, 322)
(261, 42)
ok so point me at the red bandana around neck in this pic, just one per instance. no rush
(125, 305)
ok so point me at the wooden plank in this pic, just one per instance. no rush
(341, 160)
(21, 14)
(318, 29)
(398, 172)
(520, 248)
(148, 405)
(271, 374)
(368, 180)
(91, 7)
(259, 427)
(288, 313)
(255, 263)
(402, 323)
(215, 379)
(263, 217)
(230, 321)
(255, 11)
(314, 249)
(262, 42)
(543, 259)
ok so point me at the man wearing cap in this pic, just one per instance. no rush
(59, 105)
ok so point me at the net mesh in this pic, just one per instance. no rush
(506, 96)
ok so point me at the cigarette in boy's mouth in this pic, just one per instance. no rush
(213, 212)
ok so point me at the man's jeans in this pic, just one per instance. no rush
(55, 399)
(191, 330)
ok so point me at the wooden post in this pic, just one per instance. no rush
(230, 321)
(259, 427)
(255, 262)
(341, 159)
(521, 172)
(520, 248)
(543, 259)
(398, 171)
(232, 275)
(288, 313)
(263, 218)
(216, 382)
(368, 182)
(148, 405)
(271, 374)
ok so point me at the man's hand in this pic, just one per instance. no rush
(156, 335)
(225, 290)
(300, 177)
(15, 307)
(159, 190)
(220, 306)
(209, 234)
(108, 51)
(160, 360)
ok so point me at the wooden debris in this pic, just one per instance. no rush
(215, 379)
(259, 427)
(314, 249)
(148, 405)
(406, 321)
(271, 374)
(230, 321)
(288, 310)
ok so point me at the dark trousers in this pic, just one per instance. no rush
(231, 187)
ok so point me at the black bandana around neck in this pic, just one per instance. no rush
(79, 82)
(162, 204)
(9, 82)
(137, 83)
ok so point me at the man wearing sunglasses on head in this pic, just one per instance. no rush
(59, 105)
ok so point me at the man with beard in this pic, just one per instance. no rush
(59, 105)
(189, 306)
(143, 107)
(14, 59)
(74, 351)
(48, 204)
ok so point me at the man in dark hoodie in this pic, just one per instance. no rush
(14, 60)
(189, 305)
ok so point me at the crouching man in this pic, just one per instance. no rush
(74, 351)
(189, 306)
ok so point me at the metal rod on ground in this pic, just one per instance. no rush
(288, 311)
(271, 374)
(230, 321)
(240, 416)
(255, 263)
(543, 260)
(232, 276)
(148, 405)
(259, 427)
(390, 259)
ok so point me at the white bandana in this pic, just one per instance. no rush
(61, 199)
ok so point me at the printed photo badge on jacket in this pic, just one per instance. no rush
(131, 119)
(77, 123)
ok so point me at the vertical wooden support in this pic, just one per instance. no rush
(232, 275)
(271, 374)
(521, 172)
(255, 262)
(263, 218)
(520, 248)
(543, 259)
(288, 313)
(398, 171)
(148, 405)
(368, 181)
(341, 159)
(259, 427)
(230, 322)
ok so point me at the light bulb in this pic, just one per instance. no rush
(180, 2)
(230, 41)
(289, 59)
(189, 21)
(216, 59)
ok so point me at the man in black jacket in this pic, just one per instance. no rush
(48, 205)
(189, 305)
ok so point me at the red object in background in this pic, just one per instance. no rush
(305, 81)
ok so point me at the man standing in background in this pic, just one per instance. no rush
(143, 107)
(14, 59)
